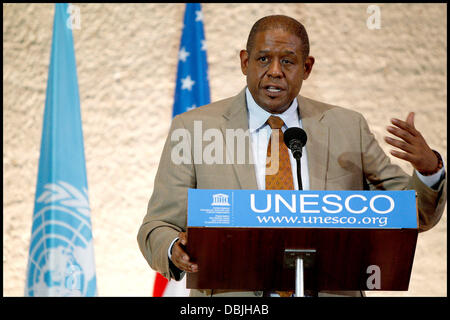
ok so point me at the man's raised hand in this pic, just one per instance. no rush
(415, 148)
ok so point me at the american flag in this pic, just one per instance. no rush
(192, 88)
(191, 91)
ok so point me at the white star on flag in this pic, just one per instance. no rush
(198, 16)
(187, 83)
(183, 54)
(203, 45)
(192, 107)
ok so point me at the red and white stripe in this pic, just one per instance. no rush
(164, 288)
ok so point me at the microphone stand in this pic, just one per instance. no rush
(295, 139)
(299, 177)
(299, 284)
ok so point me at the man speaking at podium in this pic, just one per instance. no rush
(341, 153)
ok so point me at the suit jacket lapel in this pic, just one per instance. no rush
(317, 143)
(236, 118)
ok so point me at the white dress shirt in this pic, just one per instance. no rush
(260, 132)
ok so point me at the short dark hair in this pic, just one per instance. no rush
(280, 22)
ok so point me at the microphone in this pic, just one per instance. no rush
(295, 139)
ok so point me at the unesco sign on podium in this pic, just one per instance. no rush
(247, 239)
(301, 209)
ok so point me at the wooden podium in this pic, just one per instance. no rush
(257, 258)
(253, 258)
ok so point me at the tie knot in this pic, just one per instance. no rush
(275, 122)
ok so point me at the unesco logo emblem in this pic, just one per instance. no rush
(61, 249)
(220, 199)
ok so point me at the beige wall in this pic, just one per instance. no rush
(127, 58)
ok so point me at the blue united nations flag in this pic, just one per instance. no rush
(61, 255)
(192, 88)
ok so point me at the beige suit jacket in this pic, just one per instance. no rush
(342, 155)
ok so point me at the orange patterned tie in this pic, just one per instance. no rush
(281, 179)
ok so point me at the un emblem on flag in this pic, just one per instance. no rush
(61, 259)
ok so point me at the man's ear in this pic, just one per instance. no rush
(244, 61)
(308, 67)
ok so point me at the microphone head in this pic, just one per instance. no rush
(295, 139)
(295, 133)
